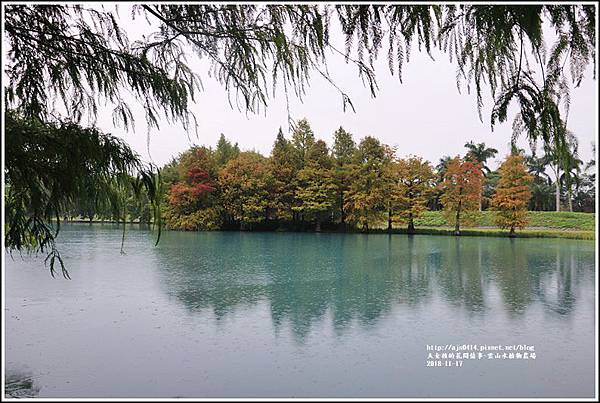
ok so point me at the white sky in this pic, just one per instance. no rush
(425, 115)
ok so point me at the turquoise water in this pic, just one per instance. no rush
(230, 314)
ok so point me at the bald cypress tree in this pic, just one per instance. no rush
(284, 168)
(512, 193)
(461, 187)
(344, 148)
(315, 185)
(366, 197)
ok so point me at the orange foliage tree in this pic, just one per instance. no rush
(193, 192)
(461, 188)
(512, 193)
(188, 194)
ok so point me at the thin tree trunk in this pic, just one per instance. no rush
(389, 228)
(318, 228)
(457, 225)
(411, 224)
(557, 195)
(557, 185)
(343, 216)
(570, 197)
(124, 226)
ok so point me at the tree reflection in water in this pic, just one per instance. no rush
(20, 384)
(357, 278)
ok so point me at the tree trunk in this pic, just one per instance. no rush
(557, 191)
(570, 197)
(457, 225)
(318, 227)
(124, 227)
(389, 228)
(411, 224)
(512, 232)
(343, 215)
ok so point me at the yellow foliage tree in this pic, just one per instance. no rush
(512, 193)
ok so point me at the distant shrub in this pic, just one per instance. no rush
(207, 219)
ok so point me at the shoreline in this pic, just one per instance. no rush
(487, 231)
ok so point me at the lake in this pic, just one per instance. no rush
(236, 314)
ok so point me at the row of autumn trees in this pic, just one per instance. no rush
(304, 185)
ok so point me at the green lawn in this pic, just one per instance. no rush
(541, 224)
(537, 219)
(526, 233)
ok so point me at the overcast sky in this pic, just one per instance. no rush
(425, 115)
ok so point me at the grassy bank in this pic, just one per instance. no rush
(526, 233)
(537, 219)
(542, 224)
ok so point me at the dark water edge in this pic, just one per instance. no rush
(530, 232)
(238, 314)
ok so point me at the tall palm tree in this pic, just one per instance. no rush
(537, 166)
(563, 162)
(541, 187)
(571, 175)
(592, 163)
(480, 153)
(442, 166)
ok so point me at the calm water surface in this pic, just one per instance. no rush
(227, 314)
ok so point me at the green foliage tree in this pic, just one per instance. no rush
(316, 189)
(571, 176)
(344, 148)
(225, 151)
(585, 194)
(490, 181)
(52, 169)
(413, 182)
(303, 139)
(366, 200)
(541, 186)
(79, 47)
(440, 170)
(284, 170)
(561, 159)
(246, 185)
(480, 153)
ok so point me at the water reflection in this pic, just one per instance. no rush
(360, 279)
(20, 384)
(278, 315)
